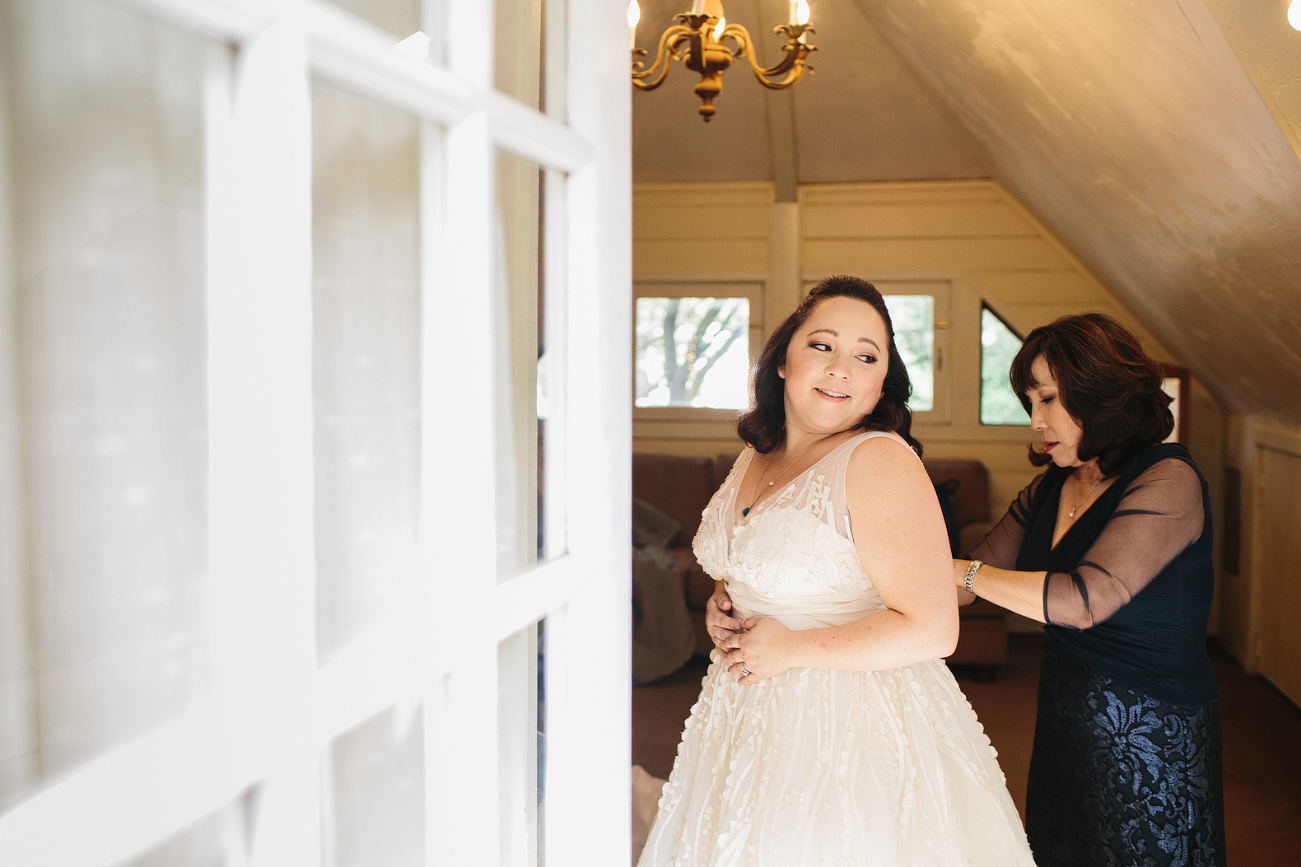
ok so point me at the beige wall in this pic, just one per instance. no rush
(971, 234)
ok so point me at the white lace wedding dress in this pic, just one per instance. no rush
(813, 767)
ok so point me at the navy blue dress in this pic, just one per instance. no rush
(1126, 765)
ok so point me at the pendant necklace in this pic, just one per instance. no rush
(760, 488)
(1079, 502)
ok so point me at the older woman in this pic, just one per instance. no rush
(1111, 549)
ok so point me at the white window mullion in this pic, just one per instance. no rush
(524, 132)
(458, 537)
(458, 490)
(260, 424)
(589, 697)
(232, 20)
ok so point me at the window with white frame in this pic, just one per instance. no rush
(281, 289)
(692, 352)
(692, 345)
(999, 344)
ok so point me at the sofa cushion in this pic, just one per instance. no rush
(971, 497)
(678, 485)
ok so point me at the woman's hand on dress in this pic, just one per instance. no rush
(760, 651)
(719, 622)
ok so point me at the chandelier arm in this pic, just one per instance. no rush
(792, 63)
(671, 42)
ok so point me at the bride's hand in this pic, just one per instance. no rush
(719, 622)
(760, 651)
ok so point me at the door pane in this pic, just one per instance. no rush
(103, 470)
(375, 792)
(521, 744)
(519, 50)
(399, 18)
(366, 315)
(529, 410)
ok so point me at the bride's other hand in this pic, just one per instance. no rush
(719, 622)
(761, 649)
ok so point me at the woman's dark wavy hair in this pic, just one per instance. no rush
(764, 424)
(1105, 381)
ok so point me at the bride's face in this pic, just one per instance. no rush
(835, 366)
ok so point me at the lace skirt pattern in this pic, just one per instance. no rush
(846, 768)
(1120, 778)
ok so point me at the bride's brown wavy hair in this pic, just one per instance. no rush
(764, 424)
(1104, 380)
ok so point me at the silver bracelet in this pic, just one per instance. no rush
(971, 574)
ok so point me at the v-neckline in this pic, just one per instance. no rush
(748, 518)
(1054, 542)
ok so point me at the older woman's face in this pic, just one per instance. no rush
(1060, 431)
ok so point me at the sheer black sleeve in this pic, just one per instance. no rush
(1001, 546)
(1158, 516)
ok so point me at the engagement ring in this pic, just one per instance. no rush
(745, 672)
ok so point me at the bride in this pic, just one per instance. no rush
(828, 730)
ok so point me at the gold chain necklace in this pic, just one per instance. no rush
(759, 488)
(1079, 502)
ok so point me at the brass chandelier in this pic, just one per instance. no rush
(697, 40)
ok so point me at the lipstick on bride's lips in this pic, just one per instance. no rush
(1049, 447)
(832, 395)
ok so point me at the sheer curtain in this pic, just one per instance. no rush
(102, 453)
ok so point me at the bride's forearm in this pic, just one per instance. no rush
(881, 640)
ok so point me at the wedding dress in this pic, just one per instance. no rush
(816, 767)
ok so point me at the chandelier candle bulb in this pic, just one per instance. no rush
(634, 15)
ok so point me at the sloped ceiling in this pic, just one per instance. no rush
(1153, 138)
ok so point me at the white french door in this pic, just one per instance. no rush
(408, 637)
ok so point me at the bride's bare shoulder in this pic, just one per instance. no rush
(884, 457)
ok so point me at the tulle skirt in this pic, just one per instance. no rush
(887, 768)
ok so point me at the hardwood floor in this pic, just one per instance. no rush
(1262, 743)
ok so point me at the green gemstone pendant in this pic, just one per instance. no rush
(745, 511)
